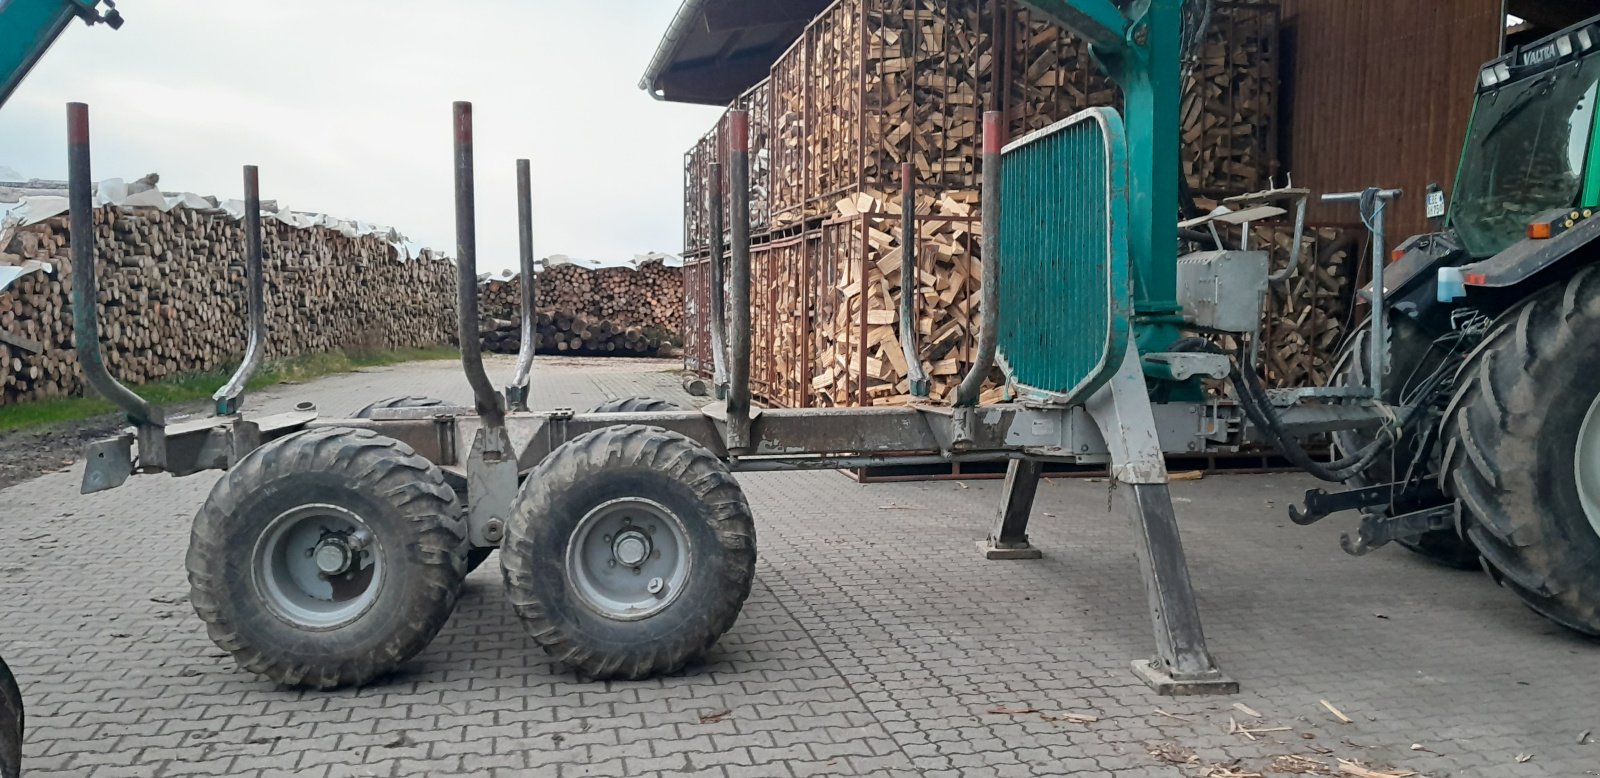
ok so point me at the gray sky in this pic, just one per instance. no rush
(345, 105)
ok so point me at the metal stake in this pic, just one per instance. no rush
(738, 403)
(85, 287)
(230, 398)
(1373, 202)
(491, 462)
(517, 390)
(989, 331)
(488, 401)
(909, 283)
(718, 298)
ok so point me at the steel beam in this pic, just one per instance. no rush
(1008, 539)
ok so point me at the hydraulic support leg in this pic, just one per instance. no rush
(1182, 665)
(1008, 539)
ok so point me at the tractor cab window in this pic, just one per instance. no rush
(1525, 155)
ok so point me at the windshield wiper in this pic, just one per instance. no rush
(1523, 101)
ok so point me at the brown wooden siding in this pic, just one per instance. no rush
(1379, 92)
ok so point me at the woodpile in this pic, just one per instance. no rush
(1229, 105)
(563, 331)
(1308, 315)
(172, 297)
(856, 344)
(610, 310)
(872, 84)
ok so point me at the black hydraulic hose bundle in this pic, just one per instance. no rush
(1258, 408)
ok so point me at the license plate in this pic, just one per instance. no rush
(1436, 205)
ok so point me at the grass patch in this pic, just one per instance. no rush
(193, 388)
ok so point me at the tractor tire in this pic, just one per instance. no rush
(636, 405)
(1522, 452)
(398, 402)
(10, 724)
(327, 558)
(1409, 353)
(629, 496)
(476, 555)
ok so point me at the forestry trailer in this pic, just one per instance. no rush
(1467, 412)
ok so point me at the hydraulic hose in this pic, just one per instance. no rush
(1258, 408)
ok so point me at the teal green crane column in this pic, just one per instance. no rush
(1148, 70)
(1140, 50)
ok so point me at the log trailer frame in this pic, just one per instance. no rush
(332, 550)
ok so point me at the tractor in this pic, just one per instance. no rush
(331, 550)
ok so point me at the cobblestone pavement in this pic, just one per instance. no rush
(875, 642)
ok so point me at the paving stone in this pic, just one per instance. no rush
(874, 642)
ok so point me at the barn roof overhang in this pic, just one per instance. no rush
(714, 50)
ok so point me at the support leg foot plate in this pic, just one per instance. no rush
(991, 551)
(1167, 685)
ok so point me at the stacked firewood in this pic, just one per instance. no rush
(625, 309)
(873, 84)
(564, 331)
(1309, 314)
(1229, 103)
(172, 297)
(858, 356)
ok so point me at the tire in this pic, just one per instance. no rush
(11, 724)
(398, 402)
(251, 584)
(1510, 451)
(1409, 353)
(476, 555)
(608, 627)
(636, 405)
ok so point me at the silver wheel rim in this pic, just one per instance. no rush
(1586, 465)
(318, 566)
(629, 558)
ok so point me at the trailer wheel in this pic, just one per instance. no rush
(398, 402)
(630, 552)
(1522, 452)
(475, 555)
(1409, 350)
(10, 724)
(327, 558)
(636, 405)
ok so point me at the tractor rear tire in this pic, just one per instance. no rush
(327, 558)
(1512, 452)
(398, 402)
(1409, 349)
(11, 724)
(637, 405)
(630, 552)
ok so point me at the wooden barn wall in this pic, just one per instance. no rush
(1379, 92)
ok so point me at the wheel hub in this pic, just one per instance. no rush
(317, 566)
(629, 558)
(631, 548)
(333, 555)
(1586, 465)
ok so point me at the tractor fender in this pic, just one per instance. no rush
(1528, 258)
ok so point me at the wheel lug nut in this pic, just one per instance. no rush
(655, 586)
